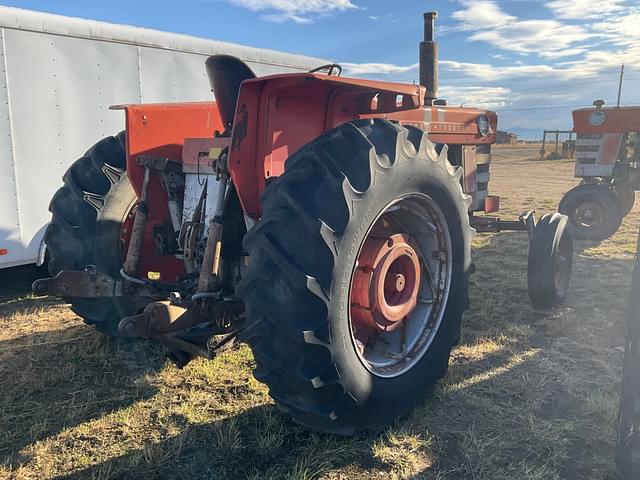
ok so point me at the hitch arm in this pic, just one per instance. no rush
(87, 284)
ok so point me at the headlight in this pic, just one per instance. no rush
(597, 118)
(483, 125)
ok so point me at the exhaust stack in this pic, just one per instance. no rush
(429, 59)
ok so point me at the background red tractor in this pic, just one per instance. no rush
(325, 221)
(607, 161)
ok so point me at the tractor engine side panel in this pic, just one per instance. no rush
(160, 130)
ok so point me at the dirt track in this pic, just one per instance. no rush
(528, 395)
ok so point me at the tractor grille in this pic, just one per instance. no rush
(588, 148)
(483, 163)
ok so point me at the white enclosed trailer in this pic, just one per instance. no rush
(59, 77)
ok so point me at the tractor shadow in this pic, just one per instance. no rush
(57, 379)
(15, 282)
(527, 391)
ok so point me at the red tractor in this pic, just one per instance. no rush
(325, 221)
(608, 161)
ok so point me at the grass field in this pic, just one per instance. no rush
(528, 395)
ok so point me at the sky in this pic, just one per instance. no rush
(532, 61)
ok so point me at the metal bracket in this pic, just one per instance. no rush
(87, 284)
(529, 219)
(526, 221)
(187, 332)
(160, 164)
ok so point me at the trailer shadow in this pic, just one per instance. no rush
(529, 395)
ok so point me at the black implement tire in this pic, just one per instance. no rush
(627, 195)
(87, 214)
(550, 261)
(594, 211)
(302, 258)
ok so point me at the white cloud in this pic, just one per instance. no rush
(583, 9)
(492, 25)
(563, 64)
(377, 68)
(482, 14)
(298, 11)
(623, 29)
(545, 37)
(477, 96)
(489, 72)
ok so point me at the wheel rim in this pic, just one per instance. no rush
(590, 215)
(398, 293)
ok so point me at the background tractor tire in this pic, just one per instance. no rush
(627, 195)
(303, 253)
(550, 261)
(594, 210)
(87, 215)
(628, 428)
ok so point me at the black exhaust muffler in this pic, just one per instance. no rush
(429, 59)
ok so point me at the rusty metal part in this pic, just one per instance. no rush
(429, 59)
(192, 232)
(163, 317)
(386, 282)
(209, 270)
(136, 241)
(173, 184)
(88, 284)
(162, 166)
(157, 318)
(172, 180)
(211, 258)
(159, 164)
(200, 330)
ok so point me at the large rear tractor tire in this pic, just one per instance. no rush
(594, 210)
(88, 212)
(550, 261)
(358, 276)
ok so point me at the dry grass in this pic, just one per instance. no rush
(528, 396)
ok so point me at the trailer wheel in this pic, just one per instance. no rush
(594, 211)
(550, 261)
(627, 195)
(358, 276)
(88, 212)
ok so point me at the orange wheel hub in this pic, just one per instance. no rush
(386, 282)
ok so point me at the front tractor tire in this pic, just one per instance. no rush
(550, 261)
(88, 212)
(594, 210)
(358, 276)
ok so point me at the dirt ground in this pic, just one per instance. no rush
(528, 395)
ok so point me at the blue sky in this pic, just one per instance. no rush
(533, 61)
